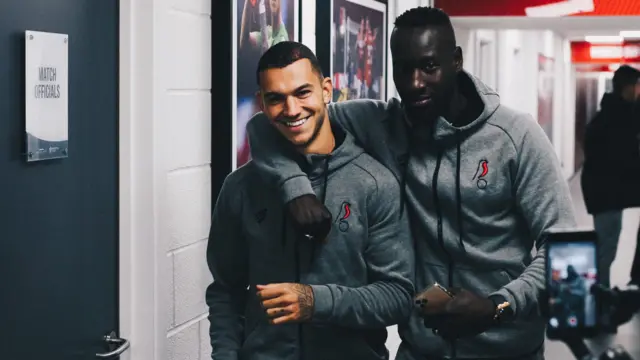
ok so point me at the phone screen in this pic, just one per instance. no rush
(571, 272)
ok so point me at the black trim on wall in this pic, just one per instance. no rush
(221, 97)
(387, 58)
(300, 4)
(323, 35)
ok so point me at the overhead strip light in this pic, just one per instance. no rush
(630, 34)
(604, 39)
(560, 8)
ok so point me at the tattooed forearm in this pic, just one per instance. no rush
(305, 300)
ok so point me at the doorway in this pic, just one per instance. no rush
(60, 217)
(586, 105)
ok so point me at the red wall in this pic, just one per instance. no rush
(516, 7)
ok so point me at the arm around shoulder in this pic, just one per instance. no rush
(269, 153)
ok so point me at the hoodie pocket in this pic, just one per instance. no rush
(267, 341)
(339, 343)
(429, 273)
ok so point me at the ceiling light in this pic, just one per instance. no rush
(560, 8)
(630, 34)
(604, 39)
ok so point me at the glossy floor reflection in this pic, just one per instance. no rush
(629, 334)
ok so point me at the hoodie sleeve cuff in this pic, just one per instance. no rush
(295, 187)
(322, 303)
(504, 294)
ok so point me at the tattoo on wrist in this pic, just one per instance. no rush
(306, 301)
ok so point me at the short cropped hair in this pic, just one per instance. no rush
(423, 16)
(624, 76)
(426, 16)
(284, 54)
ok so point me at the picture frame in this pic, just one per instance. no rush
(358, 49)
(251, 20)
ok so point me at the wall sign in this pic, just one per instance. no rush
(46, 95)
(583, 52)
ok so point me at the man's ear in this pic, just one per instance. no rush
(327, 90)
(457, 58)
(259, 100)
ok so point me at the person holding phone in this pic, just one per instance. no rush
(611, 170)
(278, 294)
(482, 184)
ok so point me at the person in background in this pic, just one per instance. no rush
(482, 184)
(611, 172)
(279, 293)
(573, 294)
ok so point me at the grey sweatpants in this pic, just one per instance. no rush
(608, 225)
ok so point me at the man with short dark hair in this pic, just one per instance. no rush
(278, 294)
(611, 171)
(483, 186)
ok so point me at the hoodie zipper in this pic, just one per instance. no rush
(296, 249)
(436, 201)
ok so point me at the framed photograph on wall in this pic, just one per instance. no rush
(257, 25)
(358, 49)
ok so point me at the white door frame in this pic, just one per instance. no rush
(142, 271)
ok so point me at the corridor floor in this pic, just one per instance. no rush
(629, 334)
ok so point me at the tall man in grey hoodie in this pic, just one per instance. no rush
(279, 295)
(482, 185)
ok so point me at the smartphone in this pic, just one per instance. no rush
(433, 300)
(571, 271)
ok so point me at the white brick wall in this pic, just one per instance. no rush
(184, 89)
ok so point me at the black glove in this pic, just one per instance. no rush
(310, 217)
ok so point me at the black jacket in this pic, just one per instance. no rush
(611, 172)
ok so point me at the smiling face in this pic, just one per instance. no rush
(294, 98)
(425, 64)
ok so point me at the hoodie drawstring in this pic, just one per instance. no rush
(459, 192)
(326, 178)
(323, 198)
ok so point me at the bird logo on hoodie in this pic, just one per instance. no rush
(343, 215)
(481, 172)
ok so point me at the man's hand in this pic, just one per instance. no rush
(287, 303)
(310, 217)
(467, 314)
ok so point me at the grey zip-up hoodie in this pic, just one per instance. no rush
(480, 197)
(362, 277)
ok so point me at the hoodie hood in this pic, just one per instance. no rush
(614, 104)
(611, 100)
(481, 103)
(319, 166)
